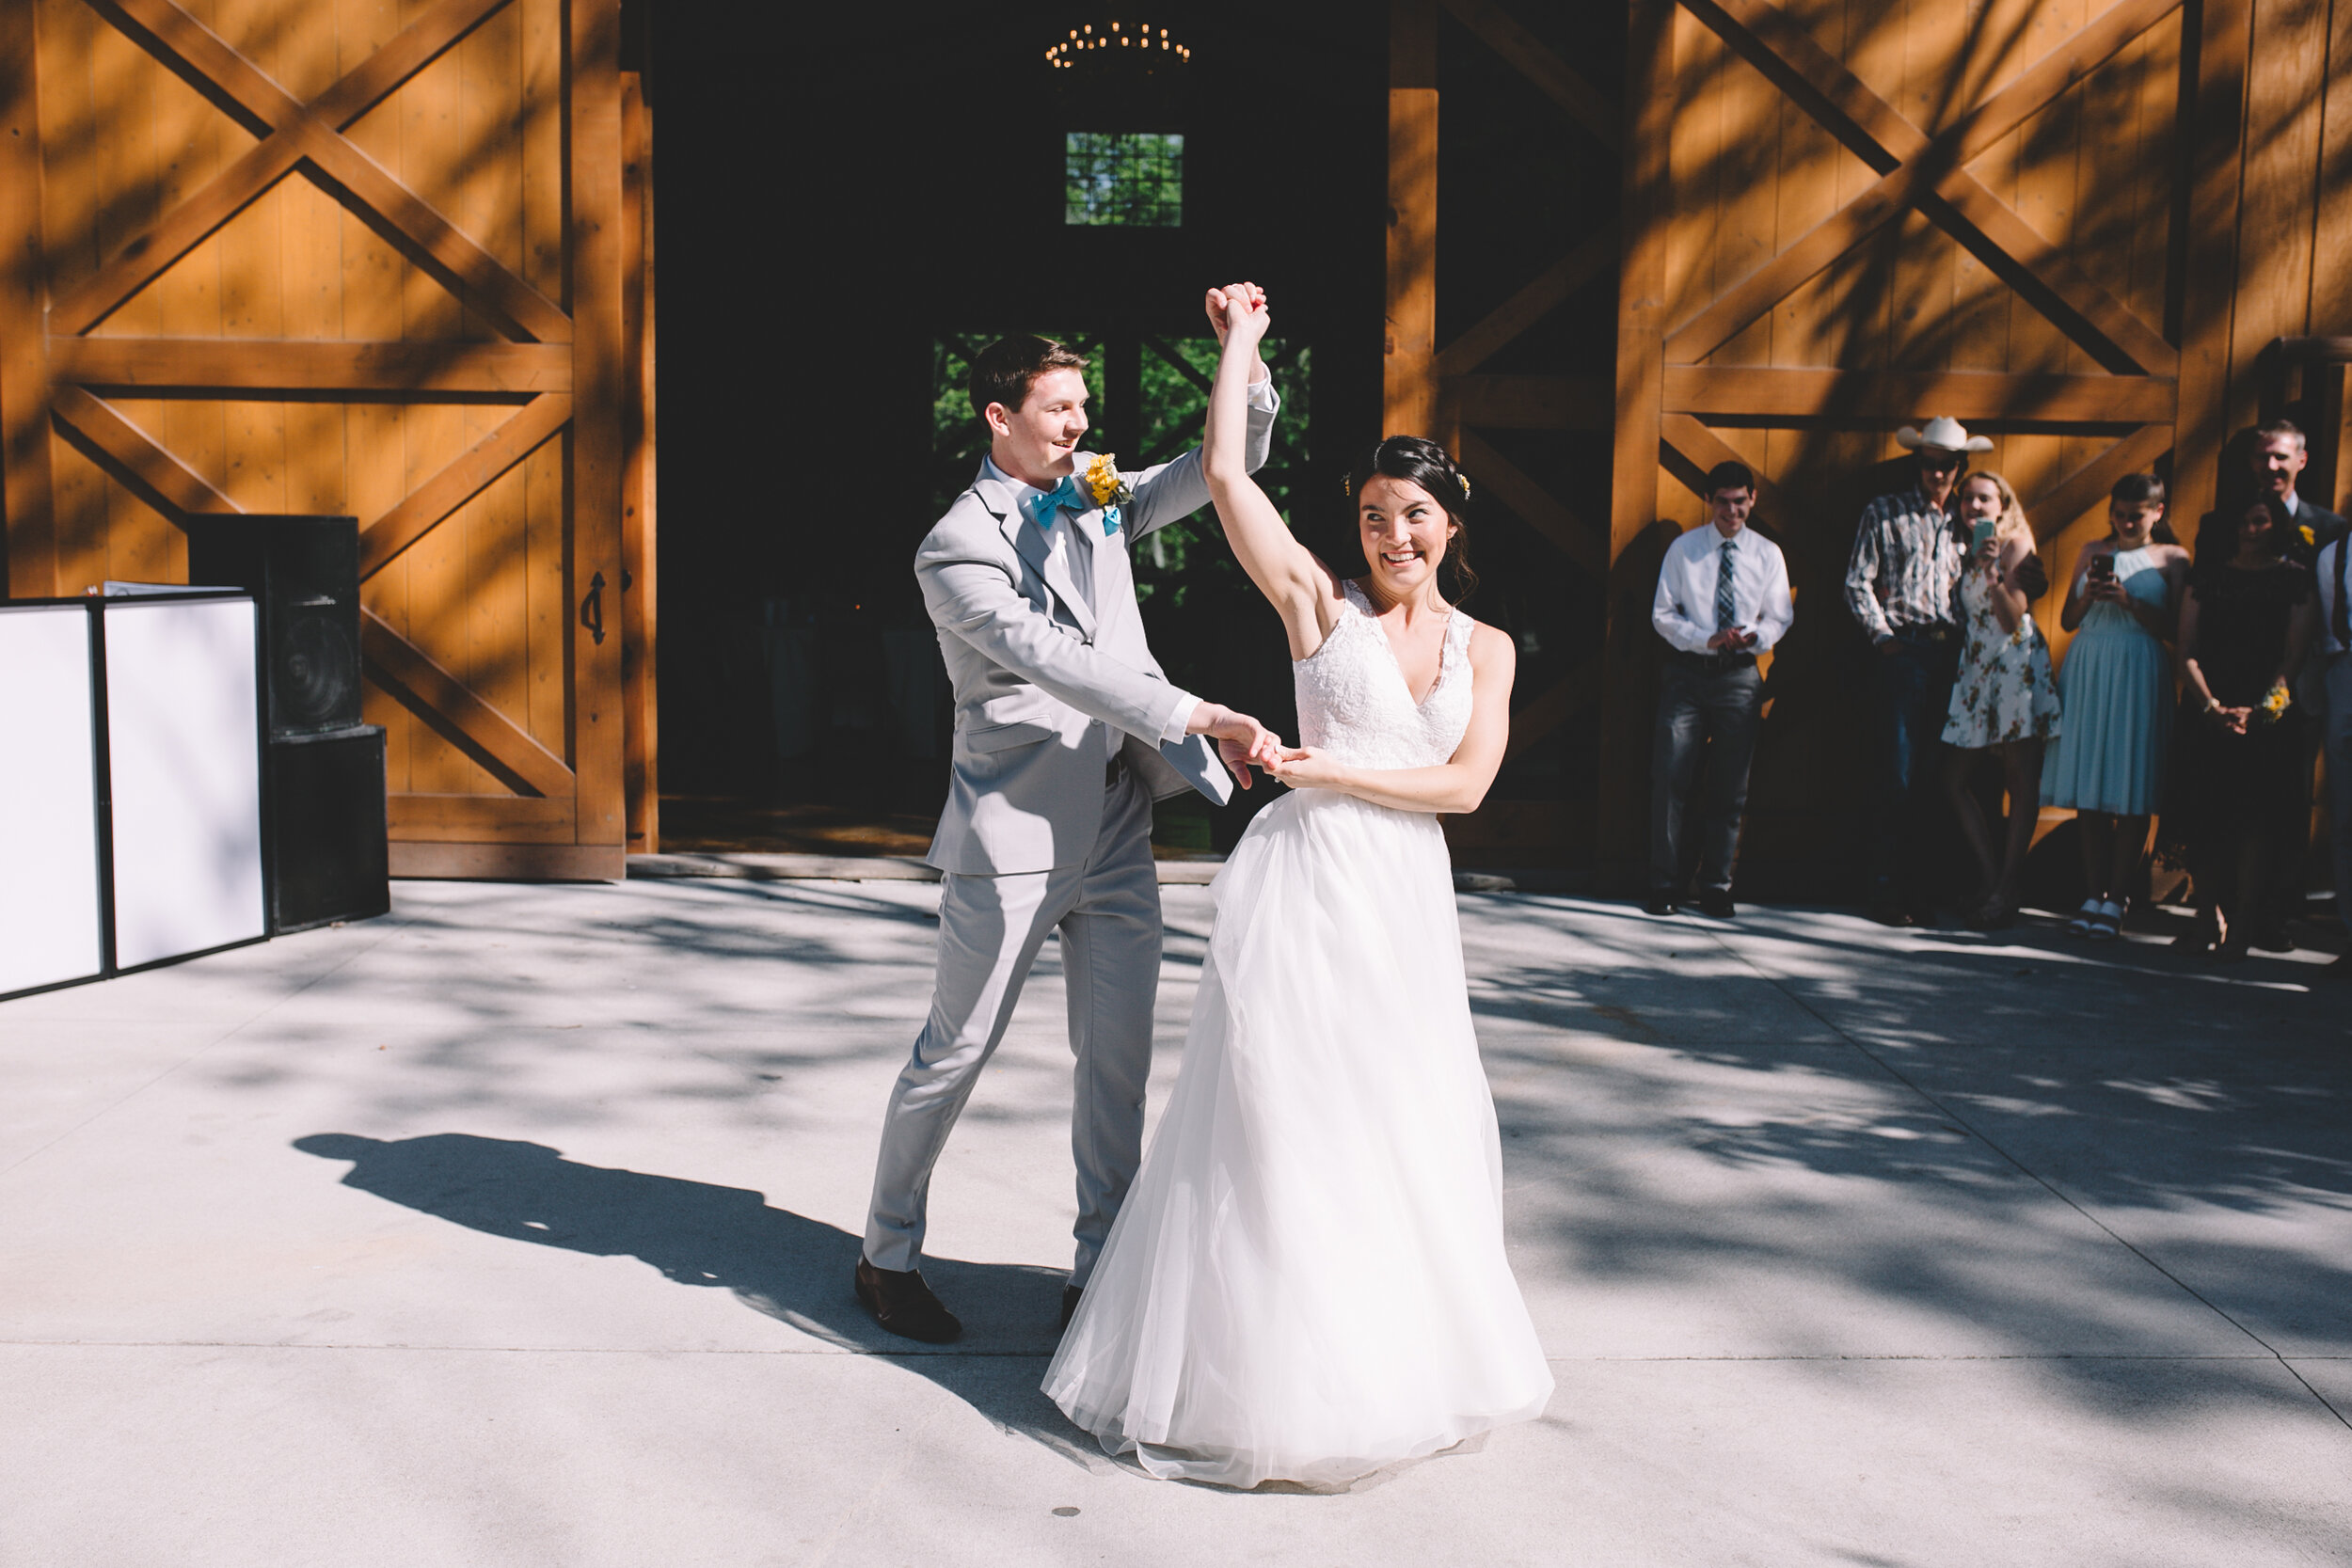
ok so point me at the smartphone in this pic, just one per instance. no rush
(1979, 532)
(2102, 568)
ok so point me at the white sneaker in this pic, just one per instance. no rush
(2080, 924)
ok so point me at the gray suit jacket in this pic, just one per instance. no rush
(1038, 673)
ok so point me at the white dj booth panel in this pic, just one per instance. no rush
(184, 722)
(51, 922)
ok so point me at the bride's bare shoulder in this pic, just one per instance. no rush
(1491, 648)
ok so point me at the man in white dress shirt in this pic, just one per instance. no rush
(1722, 598)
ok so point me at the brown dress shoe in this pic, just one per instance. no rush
(901, 1303)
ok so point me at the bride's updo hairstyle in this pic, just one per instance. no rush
(1430, 465)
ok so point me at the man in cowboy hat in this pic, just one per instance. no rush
(1908, 554)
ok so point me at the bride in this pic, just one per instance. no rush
(1308, 1281)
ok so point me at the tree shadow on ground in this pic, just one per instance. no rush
(781, 1264)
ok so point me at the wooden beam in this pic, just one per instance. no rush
(28, 563)
(1538, 299)
(639, 730)
(1408, 393)
(1881, 397)
(406, 220)
(2055, 508)
(1553, 707)
(1779, 46)
(509, 863)
(429, 504)
(1532, 402)
(355, 372)
(1535, 506)
(2214, 125)
(180, 230)
(1585, 104)
(513, 819)
(1647, 212)
(599, 392)
(136, 458)
(444, 701)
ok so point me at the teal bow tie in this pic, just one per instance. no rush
(1045, 507)
(1071, 495)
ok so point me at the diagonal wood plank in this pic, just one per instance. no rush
(1586, 104)
(189, 224)
(1553, 707)
(1538, 299)
(407, 220)
(425, 508)
(2078, 492)
(1536, 506)
(136, 458)
(359, 370)
(1927, 172)
(440, 698)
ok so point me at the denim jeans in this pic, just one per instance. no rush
(1911, 687)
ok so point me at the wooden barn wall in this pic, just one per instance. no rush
(2077, 226)
(360, 257)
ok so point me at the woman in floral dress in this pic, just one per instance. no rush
(2004, 698)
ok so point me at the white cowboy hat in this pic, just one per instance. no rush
(1948, 434)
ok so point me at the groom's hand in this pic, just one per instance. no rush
(1240, 740)
(1247, 299)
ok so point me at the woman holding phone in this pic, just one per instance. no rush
(2117, 683)
(2004, 698)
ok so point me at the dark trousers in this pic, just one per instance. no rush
(1706, 736)
(1911, 690)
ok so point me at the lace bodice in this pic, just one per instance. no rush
(1353, 702)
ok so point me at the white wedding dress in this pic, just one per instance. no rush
(1306, 1281)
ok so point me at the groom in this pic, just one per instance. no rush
(1066, 732)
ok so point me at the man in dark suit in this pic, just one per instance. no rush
(2280, 455)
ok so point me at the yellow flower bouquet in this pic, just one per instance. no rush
(2273, 704)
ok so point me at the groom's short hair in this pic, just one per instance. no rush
(1006, 370)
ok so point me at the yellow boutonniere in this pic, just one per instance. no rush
(2309, 537)
(1104, 480)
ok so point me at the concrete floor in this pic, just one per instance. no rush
(515, 1228)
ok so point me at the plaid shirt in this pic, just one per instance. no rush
(1907, 560)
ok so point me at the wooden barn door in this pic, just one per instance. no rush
(363, 257)
(1839, 218)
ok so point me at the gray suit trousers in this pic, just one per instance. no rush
(991, 929)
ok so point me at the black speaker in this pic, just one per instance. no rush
(323, 828)
(304, 573)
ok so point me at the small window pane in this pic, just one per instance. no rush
(1124, 177)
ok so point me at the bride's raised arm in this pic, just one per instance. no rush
(1301, 589)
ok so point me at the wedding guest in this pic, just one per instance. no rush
(1722, 598)
(1907, 559)
(2247, 622)
(2333, 657)
(2278, 457)
(2004, 698)
(2117, 688)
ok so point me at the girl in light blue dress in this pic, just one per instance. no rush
(2116, 682)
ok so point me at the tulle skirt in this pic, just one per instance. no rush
(2118, 683)
(1306, 1281)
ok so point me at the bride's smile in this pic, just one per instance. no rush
(1405, 534)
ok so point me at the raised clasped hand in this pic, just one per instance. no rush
(1242, 742)
(1238, 304)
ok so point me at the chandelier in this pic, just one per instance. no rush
(1142, 46)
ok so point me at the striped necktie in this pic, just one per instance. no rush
(1726, 608)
